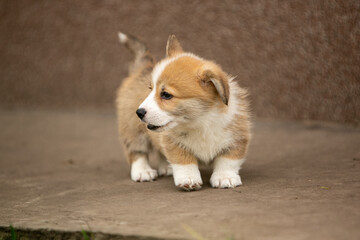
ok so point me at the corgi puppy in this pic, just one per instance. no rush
(186, 110)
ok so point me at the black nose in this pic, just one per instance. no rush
(141, 113)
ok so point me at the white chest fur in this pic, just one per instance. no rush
(208, 141)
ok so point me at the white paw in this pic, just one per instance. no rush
(144, 175)
(189, 183)
(142, 172)
(165, 169)
(228, 179)
(187, 177)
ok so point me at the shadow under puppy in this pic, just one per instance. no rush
(191, 111)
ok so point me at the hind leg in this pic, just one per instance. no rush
(164, 168)
(140, 168)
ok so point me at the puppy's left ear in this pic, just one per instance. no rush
(220, 81)
(173, 46)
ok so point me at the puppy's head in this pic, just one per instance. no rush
(184, 87)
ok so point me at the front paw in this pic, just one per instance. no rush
(187, 177)
(226, 179)
(142, 172)
(144, 175)
(189, 183)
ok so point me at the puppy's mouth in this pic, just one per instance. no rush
(153, 127)
(156, 128)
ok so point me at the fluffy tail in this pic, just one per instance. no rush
(143, 57)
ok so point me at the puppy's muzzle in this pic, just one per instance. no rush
(141, 113)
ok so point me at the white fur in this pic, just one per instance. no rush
(154, 114)
(123, 38)
(141, 171)
(226, 173)
(187, 176)
(207, 135)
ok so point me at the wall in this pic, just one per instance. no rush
(300, 59)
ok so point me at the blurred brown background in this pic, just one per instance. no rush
(300, 59)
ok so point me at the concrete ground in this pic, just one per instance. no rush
(64, 170)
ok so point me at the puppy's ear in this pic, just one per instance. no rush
(220, 81)
(173, 46)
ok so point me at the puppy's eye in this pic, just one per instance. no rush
(150, 87)
(166, 95)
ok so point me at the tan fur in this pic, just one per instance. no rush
(213, 73)
(175, 80)
(197, 86)
(130, 94)
(178, 154)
